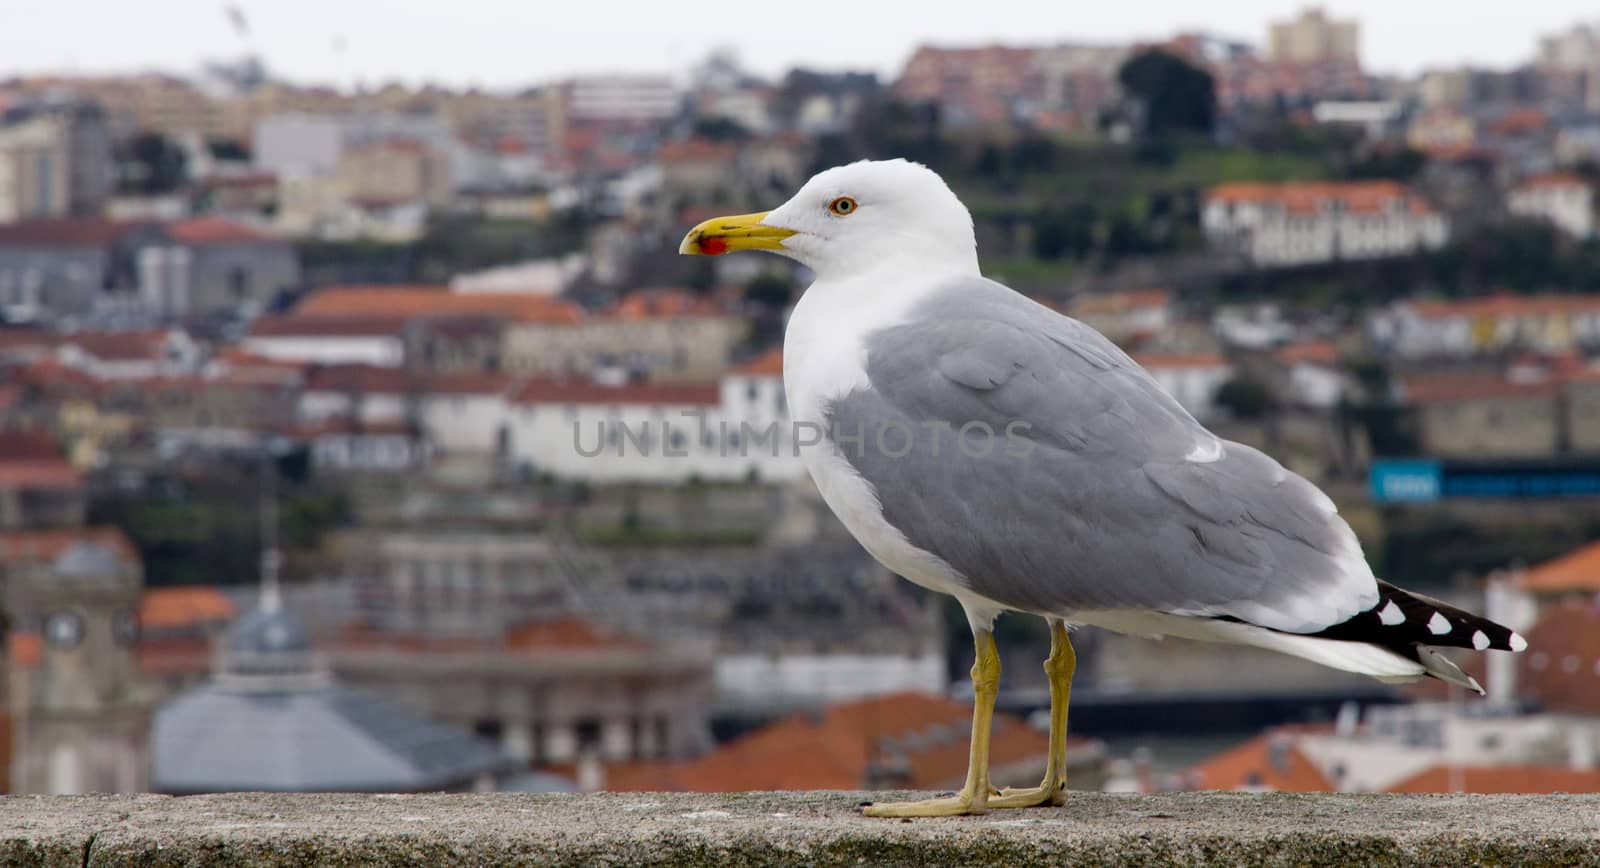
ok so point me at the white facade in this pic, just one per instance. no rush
(363, 452)
(467, 424)
(1192, 381)
(384, 351)
(1477, 326)
(1400, 742)
(818, 678)
(177, 356)
(1291, 225)
(1316, 385)
(740, 431)
(365, 407)
(623, 98)
(1567, 204)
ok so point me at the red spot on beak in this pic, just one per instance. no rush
(713, 246)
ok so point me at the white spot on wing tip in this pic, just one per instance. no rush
(1391, 615)
(1205, 452)
(1518, 643)
(1479, 640)
(1438, 625)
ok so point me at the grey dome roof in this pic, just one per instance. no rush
(266, 642)
(268, 631)
(82, 560)
(325, 738)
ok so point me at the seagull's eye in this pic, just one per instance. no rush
(844, 206)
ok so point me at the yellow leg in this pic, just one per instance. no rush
(974, 795)
(1059, 666)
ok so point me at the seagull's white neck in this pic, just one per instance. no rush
(824, 347)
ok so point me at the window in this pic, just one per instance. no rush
(239, 283)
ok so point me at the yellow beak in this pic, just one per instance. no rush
(719, 235)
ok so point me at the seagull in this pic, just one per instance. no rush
(982, 445)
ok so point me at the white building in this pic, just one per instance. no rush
(329, 340)
(364, 394)
(733, 430)
(1314, 378)
(1564, 201)
(1192, 378)
(1494, 324)
(622, 98)
(307, 145)
(345, 446)
(1307, 223)
(468, 414)
(132, 355)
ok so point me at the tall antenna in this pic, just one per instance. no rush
(271, 558)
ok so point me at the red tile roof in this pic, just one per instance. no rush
(1119, 302)
(1577, 570)
(149, 345)
(768, 364)
(32, 460)
(24, 648)
(567, 391)
(659, 303)
(924, 735)
(1501, 779)
(469, 383)
(174, 655)
(218, 230)
(567, 633)
(411, 300)
(371, 378)
(1270, 761)
(696, 149)
(1310, 196)
(38, 474)
(364, 378)
(185, 607)
(1451, 388)
(1557, 180)
(27, 341)
(25, 445)
(1312, 352)
(1519, 121)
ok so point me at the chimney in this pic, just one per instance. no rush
(1504, 604)
(1278, 751)
(1580, 749)
(590, 774)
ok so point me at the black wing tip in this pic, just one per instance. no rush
(1402, 620)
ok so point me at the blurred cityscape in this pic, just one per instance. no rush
(310, 400)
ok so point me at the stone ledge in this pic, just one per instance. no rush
(793, 828)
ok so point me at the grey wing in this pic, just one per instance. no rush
(1052, 472)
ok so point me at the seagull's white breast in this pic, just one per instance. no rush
(824, 358)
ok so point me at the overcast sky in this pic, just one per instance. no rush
(508, 43)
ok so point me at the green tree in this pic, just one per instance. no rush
(1174, 95)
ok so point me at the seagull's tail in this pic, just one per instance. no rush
(1412, 626)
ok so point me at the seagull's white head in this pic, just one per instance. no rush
(854, 218)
